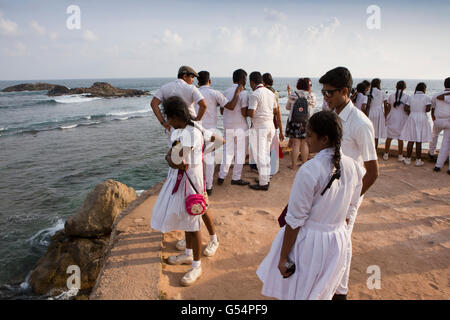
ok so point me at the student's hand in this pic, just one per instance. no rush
(166, 125)
(213, 138)
(239, 89)
(281, 136)
(282, 267)
(289, 89)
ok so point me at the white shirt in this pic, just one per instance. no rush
(358, 137)
(263, 101)
(403, 100)
(360, 100)
(306, 204)
(213, 98)
(441, 108)
(189, 93)
(418, 102)
(379, 97)
(233, 119)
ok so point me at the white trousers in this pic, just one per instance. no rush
(445, 147)
(343, 285)
(438, 126)
(260, 140)
(234, 148)
(210, 157)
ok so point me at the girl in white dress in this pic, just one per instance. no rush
(169, 212)
(376, 106)
(324, 195)
(361, 98)
(396, 118)
(417, 129)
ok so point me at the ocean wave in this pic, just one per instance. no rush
(42, 237)
(78, 125)
(76, 98)
(68, 127)
(124, 113)
(2, 129)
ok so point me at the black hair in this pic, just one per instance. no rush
(375, 83)
(401, 85)
(256, 77)
(327, 123)
(366, 83)
(339, 77)
(239, 75)
(447, 82)
(267, 79)
(421, 86)
(361, 87)
(203, 78)
(176, 107)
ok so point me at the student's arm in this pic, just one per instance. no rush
(407, 109)
(232, 104)
(250, 113)
(387, 108)
(280, 124)
(433, 117)
(428, 107)
(252, 104)
(201, 109)
(155, 107)
(353, 208)
(371, 175)
(244, 112)
(442, 96)
(221, 110)
(363, 107)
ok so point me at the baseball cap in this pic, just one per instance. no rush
(187, 70)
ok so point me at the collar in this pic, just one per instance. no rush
(259, 86)
(419, 92)
(346, 111)
(325, 152)
(205, 86)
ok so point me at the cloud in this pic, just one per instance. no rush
(273, 15)
(18, 50)
(171, 38)
(89, 36)
(8, 27)
(40, 30)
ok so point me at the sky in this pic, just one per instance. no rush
(138, 38)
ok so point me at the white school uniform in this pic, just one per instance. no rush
(441, 111)
(262, 100)
(320, 250)
(376, 113)
(189, 93)
(417, 128)
(169, 211)
(236, 132)
(397, 117)
(213, 99)
(360, 100)
(442, 122)
(358, 143)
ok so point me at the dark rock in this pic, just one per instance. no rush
(58, 91)
(30, 87)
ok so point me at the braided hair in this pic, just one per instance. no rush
(176, 107)
(374, 83)
(327, 123)
(401, 85)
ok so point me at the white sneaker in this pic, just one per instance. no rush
(211, 248)
(386, 156)
(401, 158)
(191, 276)
(181, 245)
(407, 161)
(180, 259)
(419, 163)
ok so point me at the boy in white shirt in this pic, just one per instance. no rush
(261, 109)
(357, 142)
(236, 129)
(213, 99)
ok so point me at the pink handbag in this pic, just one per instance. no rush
(196, 204)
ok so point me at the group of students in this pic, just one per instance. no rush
(404, 118)
(311, 255)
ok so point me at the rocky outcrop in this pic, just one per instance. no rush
(30, 87)
(98, 89)
(83, 240)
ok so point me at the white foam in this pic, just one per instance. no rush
(139, 192)
(43, 237)
(124, 113)
(66, 295)
(88, 117)
(121, 119)
(68, 127)
(2, 129)
(76, 98)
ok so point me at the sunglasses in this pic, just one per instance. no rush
(329, 93)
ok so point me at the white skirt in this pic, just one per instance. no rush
(395, 122)
(320, 257)
(417, 128)
(376, 115)
(169, 212)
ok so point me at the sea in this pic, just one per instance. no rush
(55, 150)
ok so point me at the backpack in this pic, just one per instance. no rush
(300, 112)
